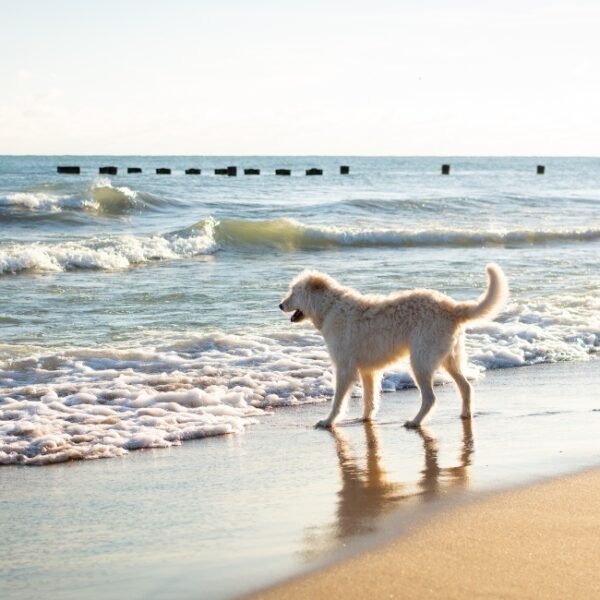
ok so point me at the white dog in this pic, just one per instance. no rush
(365, 334)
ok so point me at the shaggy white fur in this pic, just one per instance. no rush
(365, 334)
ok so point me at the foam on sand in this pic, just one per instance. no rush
(80, 403)
(97, 403)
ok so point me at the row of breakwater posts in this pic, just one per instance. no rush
(540, 169)
(230, 171)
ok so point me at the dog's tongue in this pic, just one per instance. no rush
(297, 316)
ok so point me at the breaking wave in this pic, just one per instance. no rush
(289, 234)
(108, 253)
(208, 236)
(100, 197)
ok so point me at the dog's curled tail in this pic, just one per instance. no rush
(491, 302)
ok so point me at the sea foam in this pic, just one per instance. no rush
(41, 201)
(81, 403)
(108, 253)
(96, 403)
(100, 196)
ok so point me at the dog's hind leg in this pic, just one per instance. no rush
(453, 364)
(344, 378)
(428, 352)
(370, 383)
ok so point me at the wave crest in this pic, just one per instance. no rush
(289, 234)
(110, 253)
(106, 198)
(100, 197)
(45, 202)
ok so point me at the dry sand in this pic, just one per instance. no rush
(537, 542)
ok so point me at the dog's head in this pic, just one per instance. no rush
(305, 296)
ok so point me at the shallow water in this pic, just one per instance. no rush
(141, 310)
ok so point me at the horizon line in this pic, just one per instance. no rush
(24, 155)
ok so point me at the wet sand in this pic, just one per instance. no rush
(539, 542)
(222, 517)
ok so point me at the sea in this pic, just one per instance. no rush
(141, 311)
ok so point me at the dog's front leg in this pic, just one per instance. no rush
(371, 381)
(344, 378)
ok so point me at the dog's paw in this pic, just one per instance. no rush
(412, 425)
(324, 424)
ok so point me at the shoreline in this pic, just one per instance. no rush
(533, 541)
(285, 499)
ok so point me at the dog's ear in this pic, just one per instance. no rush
(317, 283)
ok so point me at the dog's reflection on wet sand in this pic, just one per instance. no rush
(369, 491)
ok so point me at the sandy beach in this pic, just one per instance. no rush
(537, 542)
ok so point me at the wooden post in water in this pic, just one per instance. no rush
(134, 170)
(314, 171)
(72, 170)
(445, 169)
(163, 171)
(232, 171)
(284, 172)
(220, 171)
(193, 171)
(107, 170)
(344, 170)
(251, 171)
(541, 169)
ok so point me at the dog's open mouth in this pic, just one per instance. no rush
(297, 316)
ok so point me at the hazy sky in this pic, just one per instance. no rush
(302, 77)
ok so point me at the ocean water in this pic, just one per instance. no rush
(140, 311)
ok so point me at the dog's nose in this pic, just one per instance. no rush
(281, 306)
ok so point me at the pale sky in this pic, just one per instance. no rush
(429, 77)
